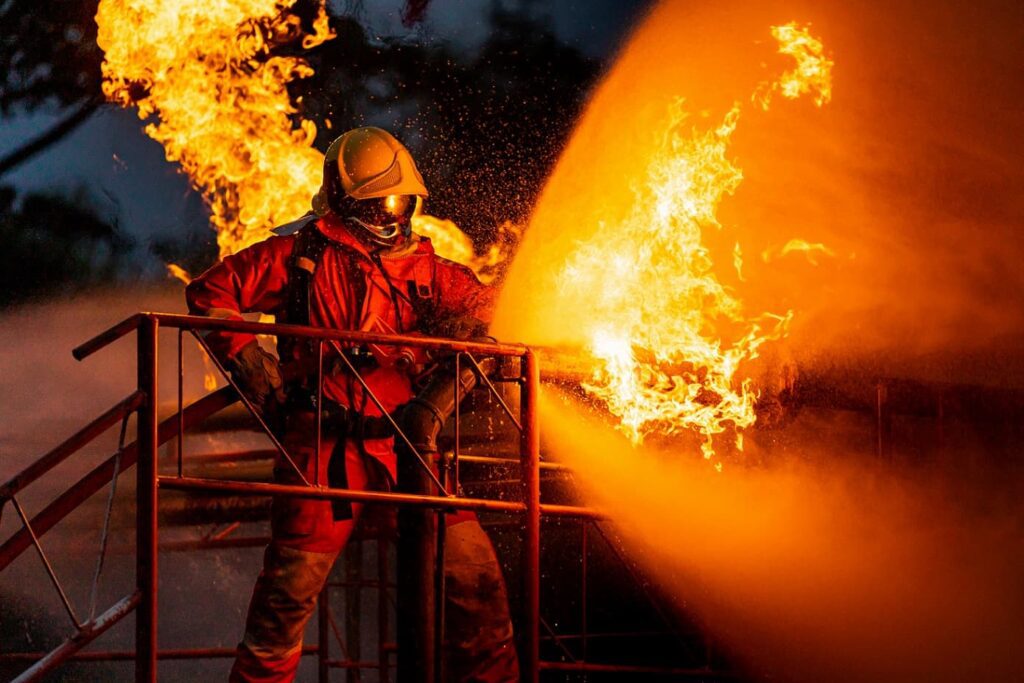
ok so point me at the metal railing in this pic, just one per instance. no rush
(151, 433)
(526, 512)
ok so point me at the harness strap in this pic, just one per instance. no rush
(309, 247)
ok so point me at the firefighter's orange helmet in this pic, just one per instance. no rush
(367, 163)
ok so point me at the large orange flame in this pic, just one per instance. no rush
(629, 225)
(668, 335)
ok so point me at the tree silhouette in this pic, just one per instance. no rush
(54, 243)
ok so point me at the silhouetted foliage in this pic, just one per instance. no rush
(54, 244)
(48, 53)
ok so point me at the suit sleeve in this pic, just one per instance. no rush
(253, 280)
(461, 294)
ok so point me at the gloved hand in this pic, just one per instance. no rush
(463, 327)
(258, 374)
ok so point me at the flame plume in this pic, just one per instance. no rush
(661, 322)
(202, 74)
(451, 243)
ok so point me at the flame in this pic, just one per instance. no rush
(813, 72)
(177, 271)
(204, 76)
(737, 262)
(209, 371)
(667, 335)
(808, 249)
(451, 243)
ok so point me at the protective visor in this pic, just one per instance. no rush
(385, 216)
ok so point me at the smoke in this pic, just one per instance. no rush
(837, 575)
(910, 175)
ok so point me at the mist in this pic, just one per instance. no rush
(810, 573)
(45, 396)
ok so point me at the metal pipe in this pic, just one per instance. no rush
(698, 673)
(253, 488)
(482, 376)
(417, 571)
(353, 606)
(509, 462)
(382, 610)
(350, 664)
(146, 504)
(181, 403)
(420, 574)
(46, 563)
(439, 587)
(323, 629)
(126, 655)
(196, 322)
(530, 460)
(109, 336)
(256, 414)
(400, 436)
(583, 588)
(214, 544)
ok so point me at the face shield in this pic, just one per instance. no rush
(380, 220)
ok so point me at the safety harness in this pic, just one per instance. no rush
(346, 422)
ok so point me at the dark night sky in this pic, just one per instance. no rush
(127, 179)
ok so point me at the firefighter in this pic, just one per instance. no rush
(353, 263)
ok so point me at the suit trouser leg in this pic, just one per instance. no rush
(306, 541)
(479, 646)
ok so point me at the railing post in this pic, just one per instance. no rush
(146, 504)
(529, 450)
(323, 628)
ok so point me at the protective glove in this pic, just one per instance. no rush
(258, 374)
(463, 327)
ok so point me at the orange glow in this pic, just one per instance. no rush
(453, 244)
(391, 203)
(203, 69)
(209, 371)
(202, 73)
(668, 337)
(808, 249)
(812, 573)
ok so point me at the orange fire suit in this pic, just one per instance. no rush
(351, 289)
